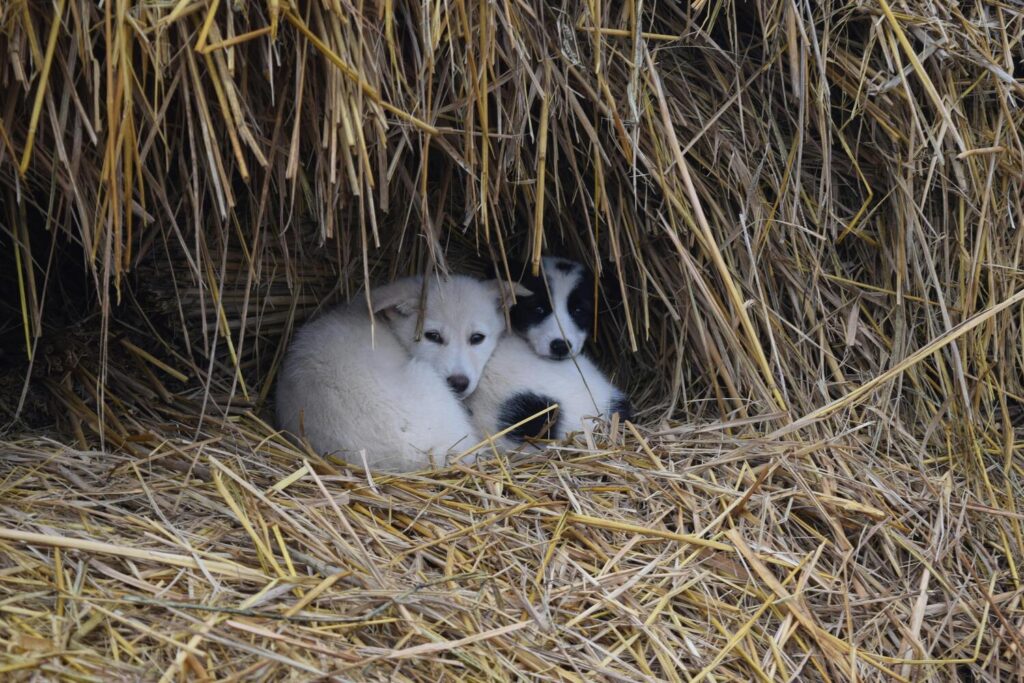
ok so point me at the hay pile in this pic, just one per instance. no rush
(813, 216)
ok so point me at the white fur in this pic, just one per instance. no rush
(581, 390)
(390, 397)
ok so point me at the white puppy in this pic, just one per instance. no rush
(392, 395)
(545, 364)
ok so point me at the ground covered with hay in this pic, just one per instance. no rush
(809, 219)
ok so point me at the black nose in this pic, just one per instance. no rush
(560, 348)
(458, 383)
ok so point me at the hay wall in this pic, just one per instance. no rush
(813, 213)
(791, 201)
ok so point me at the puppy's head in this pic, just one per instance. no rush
(556, 309)
(462, 322)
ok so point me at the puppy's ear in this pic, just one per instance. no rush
(501, 289)
(401, 296)
(523, 281)
(521, 289)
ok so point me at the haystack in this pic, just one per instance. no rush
(811, 213)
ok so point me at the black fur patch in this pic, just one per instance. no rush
(581, 302)
(523, 405)
(622, 405)
(533, 309)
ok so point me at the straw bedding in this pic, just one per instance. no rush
(809, 219)
(661, 558)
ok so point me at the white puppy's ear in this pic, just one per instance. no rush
(401, 297)
(501, 288)
(521, 290)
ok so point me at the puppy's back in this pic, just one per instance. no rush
(346, 395)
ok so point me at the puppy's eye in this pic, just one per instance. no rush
(540, 310)
(578, 310)
(433, 337)
(477, 338)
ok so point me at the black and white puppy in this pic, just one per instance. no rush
(556, 316)
(542, 365)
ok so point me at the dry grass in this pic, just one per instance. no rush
(812, 212)
(668, 557)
